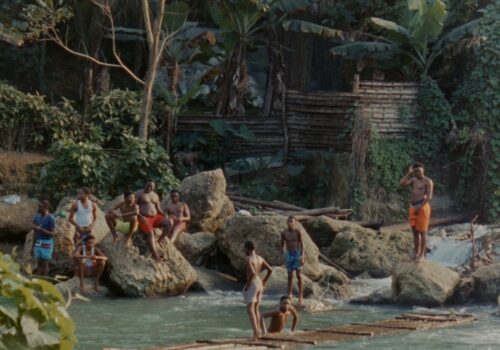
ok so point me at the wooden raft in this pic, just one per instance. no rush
(342, 333)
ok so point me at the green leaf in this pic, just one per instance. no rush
(395, 31)
(8, 308)
(365, 49)
(37, 337)
(427, 25)
(175, 16)
(246, 133)
(457, 34)
(312, 28)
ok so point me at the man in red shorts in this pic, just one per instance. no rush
(151, 216)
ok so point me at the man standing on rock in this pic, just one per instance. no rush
(294, 255)
(127, 211)
(151, 216)
(253, 289)
(44, 225)
(83, 215)
(420, 209)
(178, 215)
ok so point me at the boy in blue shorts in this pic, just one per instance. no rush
(44, 226)
(294, 255)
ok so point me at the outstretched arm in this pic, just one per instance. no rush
(407, 179)
(94, 214)
(295, 316)
(158, 206)
(266, 266)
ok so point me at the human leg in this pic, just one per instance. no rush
(167, 225)
(99, 269)
(111, 221)
(133, 226)
(290, 284)
(150, 237)
(253, 319)
(80, 272)
(301, 287)
(178, 229)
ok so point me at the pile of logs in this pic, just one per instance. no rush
(287, 209)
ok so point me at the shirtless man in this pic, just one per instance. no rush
(178, 214)
(151, 215)
(253, 289)
(83, 215)
(291, 238)
(90, 262)
(127, 211)
(420, 209)
(279, 317)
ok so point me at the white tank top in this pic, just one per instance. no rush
(88, 262)
(84, 215)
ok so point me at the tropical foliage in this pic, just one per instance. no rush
(33, 312)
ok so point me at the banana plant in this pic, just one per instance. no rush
(420, 42)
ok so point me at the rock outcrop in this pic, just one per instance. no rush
(135, 274)
(357, 250)
(62, 262)
(323, 229)
(197, 247)
(333, 282)
(487, 283)
(265, 232)
(210, 281)
(424, 283)
(16, 220)
(278, 284)
(73, 285)
(205, 194)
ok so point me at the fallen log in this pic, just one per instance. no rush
(241, 342)
(427, 318)
(320, 211)
(273, 205)
(334, 331)
(332, 264)
(289, 340)
(409, 328)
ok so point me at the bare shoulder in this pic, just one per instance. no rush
(428, 180)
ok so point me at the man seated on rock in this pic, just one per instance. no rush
(127, 211)
(83, 215)
(178, 214)
(151, 216)
(291, 238)
(279, 317)
(90, 262)
(44, 226)
(253, 289)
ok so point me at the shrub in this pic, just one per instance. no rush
(117, 113)
(32, 312)
(75, 164)
(141, 160)
(28, 122)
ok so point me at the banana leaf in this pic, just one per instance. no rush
(457, 34)
(427, 25)
(395, 32)
(359, 50)
(312, 28)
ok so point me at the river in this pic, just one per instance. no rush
(131, 323)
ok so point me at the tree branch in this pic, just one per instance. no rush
(147, 23)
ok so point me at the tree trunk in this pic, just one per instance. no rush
(147, 97)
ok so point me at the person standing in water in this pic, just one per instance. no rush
(127, 211)
(291, 238)
(279, 317)
(151, 216)
(83, 215)
(44, 225)
(179, 216)
(253, 289)
(420, 209)
(90, 263)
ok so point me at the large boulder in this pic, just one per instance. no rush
(265, 232)
(198, 247)
(134, 273)
(73, 285)
(16, 220)
(334, 282)
(425, 283)
(278, 284)
(323, 229)
(357, 250)
(211, 281)
(62, 262)
(487, 283)
(205, 194)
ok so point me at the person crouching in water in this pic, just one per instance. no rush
(127, 211)
(294, 255)
(43, 238)
(90, 262)
(279, 317)
(253, 289)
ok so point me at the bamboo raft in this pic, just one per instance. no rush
(407, 322)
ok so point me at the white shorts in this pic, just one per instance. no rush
(254, 292)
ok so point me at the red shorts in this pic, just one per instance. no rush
(148, 223)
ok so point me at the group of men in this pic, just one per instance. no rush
(140, 211)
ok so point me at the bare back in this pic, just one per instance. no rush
(254, 266)
(278, 321)
(147, 202)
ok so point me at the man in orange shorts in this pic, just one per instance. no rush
(420, 209)
(151, 215)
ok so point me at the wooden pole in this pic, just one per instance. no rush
(473, 261)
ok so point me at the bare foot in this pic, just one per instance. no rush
(255, 337)
(126, 243)
(115, 238)
(96, 287)
(301, 302)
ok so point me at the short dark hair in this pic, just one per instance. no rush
(174, 191)
(89, 237)
(284, 297)
(86, 190)
(150, 180)
(418, 165)
(291, 217)
(249, 245)
(127, 193)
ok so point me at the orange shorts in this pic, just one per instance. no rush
(419, 219)
(148, 223)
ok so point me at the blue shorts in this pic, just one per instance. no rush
(44, 248)
(293, 261)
